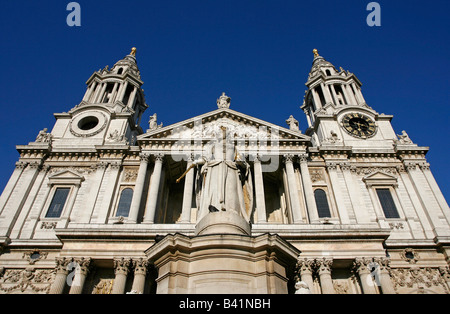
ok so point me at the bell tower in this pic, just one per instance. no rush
(110, 111)
(336, 111)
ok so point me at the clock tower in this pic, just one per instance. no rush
(337, 112)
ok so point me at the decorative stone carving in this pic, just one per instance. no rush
(115, 137)
(38, 281)
(49, 225)
(140, 266)
(410, 255)
(105, 286)
(122, 265)
(333, 139)
(130, 175)
(301, 288)
(316, 175)
(224, 101)
(293, 123)
(404, 138)
(44, 137)
(34, 256)
(153, 123)
(418, 278)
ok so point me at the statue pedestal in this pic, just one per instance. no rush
(223, 222)
(223, 258)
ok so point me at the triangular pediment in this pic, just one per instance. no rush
(66, 177)
(210, 124)
(67, 174)
(380, 178)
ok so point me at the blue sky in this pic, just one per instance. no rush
(258, 52)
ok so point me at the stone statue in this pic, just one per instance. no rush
(404, 138)
(153, 123)
(293, 123)
(225, 180)
(302, 288)
(44, 137)
(224, 101)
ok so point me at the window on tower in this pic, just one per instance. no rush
(123, 209)
(387, 203)
(58, 202)
(322, 203)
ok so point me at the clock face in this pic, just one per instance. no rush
(359, 125)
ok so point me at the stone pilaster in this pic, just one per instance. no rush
(188, 192)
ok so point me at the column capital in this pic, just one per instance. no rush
(303, 158)
(61, 265)
(83, 265)
(122, 265)
(383, 262)
(145, 157)
(159, 157)
(288, 158)
(140, 266)
(305, 265)
(362, 265)
(323, 265)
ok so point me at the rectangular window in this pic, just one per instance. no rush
(387, 203)
(58, 202)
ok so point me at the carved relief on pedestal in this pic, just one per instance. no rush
(29, 279)
(419, 280)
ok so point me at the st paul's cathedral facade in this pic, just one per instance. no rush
(223, 202)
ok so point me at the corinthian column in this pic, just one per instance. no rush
(61, 275)
(122, 267)
(293, 189)
(259, 191)
(324, 270)
(140, 272)
(81, 272)
(188, 191)
(152, 199)
(362, 268)
(384, 277)
(309, 193)
(305, 269)
(138, 189)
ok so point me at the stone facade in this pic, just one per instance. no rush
(98, 205)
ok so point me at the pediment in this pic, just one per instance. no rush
(209, 125)
(66, 177)
(380, 178)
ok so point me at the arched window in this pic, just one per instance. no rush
(120, 71)
(123, 209)
(328, 72)
(322, 203)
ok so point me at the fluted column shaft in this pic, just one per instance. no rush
(188, 191)
(121, 269)
(324, 270)
(138, 189)
(81, 272)
(259, 191)
(362, 268)
(152, 199)
(61, 276)
(305, 269)
(140, 272)
(293, 190)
